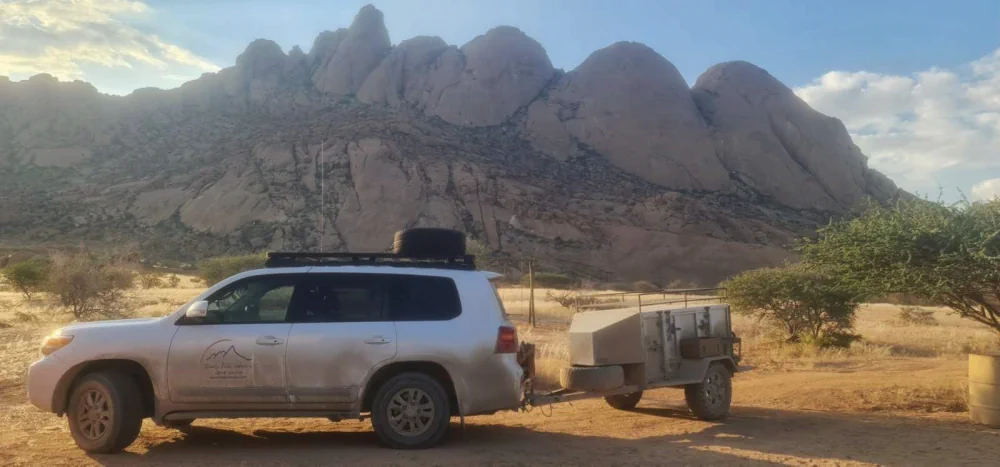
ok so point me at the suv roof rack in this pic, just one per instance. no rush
(290, 259)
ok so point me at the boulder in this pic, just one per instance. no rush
(780, 146)
(631, 105)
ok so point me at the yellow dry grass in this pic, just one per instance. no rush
(885, 339)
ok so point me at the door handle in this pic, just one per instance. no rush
(376, 340)
(269, 340)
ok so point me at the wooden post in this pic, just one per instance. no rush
(531, 294)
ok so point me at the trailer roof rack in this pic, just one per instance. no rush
(291, 259)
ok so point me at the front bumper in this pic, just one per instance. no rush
(43, 378)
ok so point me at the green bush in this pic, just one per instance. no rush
(173, 281)
(213, 270)
(808, 304)
(947, 254)
(548, 280)
(28, 277)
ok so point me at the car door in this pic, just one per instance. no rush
(237, 352)
(339, 334)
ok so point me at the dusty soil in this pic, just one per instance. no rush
(897, 400)
(791, 418)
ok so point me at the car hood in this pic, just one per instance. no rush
(110, 324)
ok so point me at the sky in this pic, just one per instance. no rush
(916, 83)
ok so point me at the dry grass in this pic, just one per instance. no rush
(885, 338)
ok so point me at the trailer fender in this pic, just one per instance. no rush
(693, 370)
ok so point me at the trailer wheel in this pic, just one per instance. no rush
(710, 399)
(592, 378)
(624, 401)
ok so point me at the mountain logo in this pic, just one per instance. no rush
(224, 362)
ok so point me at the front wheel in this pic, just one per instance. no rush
(105, 412)
(710, 399)
(410, 411)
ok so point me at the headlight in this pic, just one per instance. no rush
(55, 341)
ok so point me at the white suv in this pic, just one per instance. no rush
(409, 342)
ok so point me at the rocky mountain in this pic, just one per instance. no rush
(617, 169)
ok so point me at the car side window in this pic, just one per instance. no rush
(263, 299)
(339, 298)
(424, 298)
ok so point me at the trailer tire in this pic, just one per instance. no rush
(592, 378)
(624, 401)
(427, 241)
(710, 399)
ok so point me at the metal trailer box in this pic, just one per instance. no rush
(606, 337)
(702, 347)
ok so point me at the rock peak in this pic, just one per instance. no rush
(343, 59)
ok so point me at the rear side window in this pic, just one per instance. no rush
(424, 298)
(339, 298)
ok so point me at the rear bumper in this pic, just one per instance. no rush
(495, 386)
(43, 378)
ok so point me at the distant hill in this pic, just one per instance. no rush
(614, 169)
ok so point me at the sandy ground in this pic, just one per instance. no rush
(794, 418)
(900, 401)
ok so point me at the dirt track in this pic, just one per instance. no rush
(659, 432)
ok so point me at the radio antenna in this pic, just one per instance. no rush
(322, 194)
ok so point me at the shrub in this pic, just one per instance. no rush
(571, 300)
(548, 280)
(916, 316)
(810, 305)
(173, 281)
(948, 254)
(89, 287)
(150, 280)
(213, 270)
(28, 277)
(644, 286)
(681, 284)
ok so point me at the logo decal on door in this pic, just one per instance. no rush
(223, 362)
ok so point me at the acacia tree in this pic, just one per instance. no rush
(806, 302)
(949, 254)
(27, 277)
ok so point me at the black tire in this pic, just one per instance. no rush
(710, 399)
(399, 428)
(429, 242)
(111, 402)
(592, 378)
(182, 425)
(624, 401)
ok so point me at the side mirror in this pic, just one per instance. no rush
(197, 311)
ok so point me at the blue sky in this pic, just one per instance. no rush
(917, 83)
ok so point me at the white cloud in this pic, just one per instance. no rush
(986, 190)
(65, 38)
(914, 128)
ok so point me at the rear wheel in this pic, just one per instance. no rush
(105, 412)
(411, 411)
(624, 401)
(710, 399)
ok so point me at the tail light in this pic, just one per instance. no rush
(506, 340)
